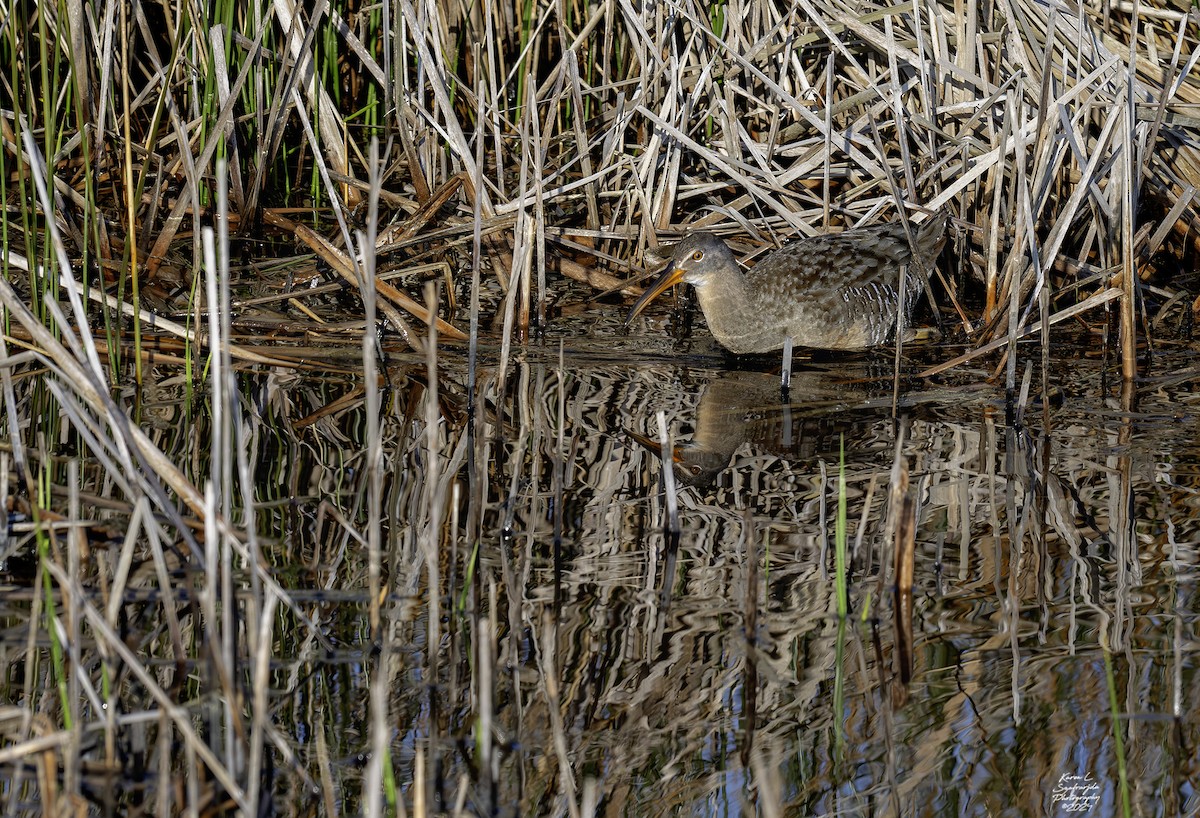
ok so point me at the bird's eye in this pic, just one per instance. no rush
(698, 255)
(697, 469)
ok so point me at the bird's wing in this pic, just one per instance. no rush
(842, 261)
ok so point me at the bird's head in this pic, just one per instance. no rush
(697, 260)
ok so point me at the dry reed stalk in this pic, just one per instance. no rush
(526, 228)
(548, 665)
(904, 545)
(857, 556)
(671, 528)
(76, 548)
(380, 684)
(485, 715)
(370, 350)
(560, 463)
(434, 497)
(217, 601)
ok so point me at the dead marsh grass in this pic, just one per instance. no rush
(150, 152)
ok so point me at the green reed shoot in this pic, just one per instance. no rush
(467, 579)
(526, 31)
(1118, 739)
(58, 665)
(839, 553)
(839, 687)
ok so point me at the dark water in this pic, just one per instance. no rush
(1054, 583)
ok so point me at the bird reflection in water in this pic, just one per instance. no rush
(744, 407)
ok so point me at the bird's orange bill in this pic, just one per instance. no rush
(669, 278)
(652, 445)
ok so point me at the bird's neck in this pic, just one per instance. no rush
(725, 301)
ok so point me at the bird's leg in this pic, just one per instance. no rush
(785, 376)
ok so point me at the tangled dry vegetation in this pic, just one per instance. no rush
(521, 145)
(571, 138)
